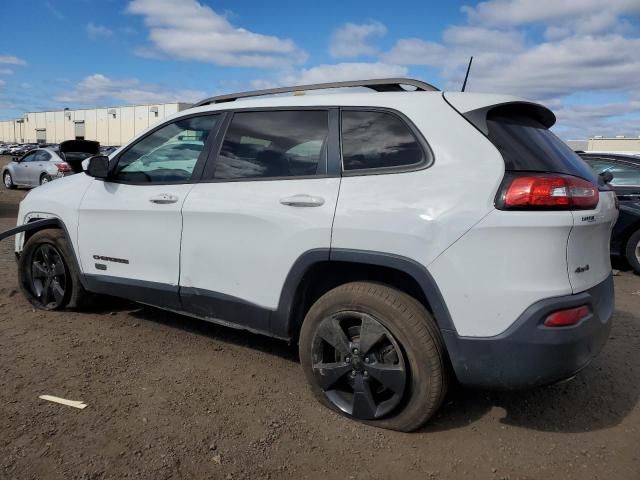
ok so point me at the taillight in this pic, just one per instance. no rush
(568, 317)
(63, 167)
(547, 192)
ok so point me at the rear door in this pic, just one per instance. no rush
(268, 198)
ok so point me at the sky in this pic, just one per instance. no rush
(581, 58)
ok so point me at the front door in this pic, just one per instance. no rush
(130, 226)
(23, 169)
(265, 201)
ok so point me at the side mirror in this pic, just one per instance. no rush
(98, 167)
(606, 177)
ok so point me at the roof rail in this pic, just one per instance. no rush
(378, 85)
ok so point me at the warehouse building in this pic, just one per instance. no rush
(618, 144)
(109, 126)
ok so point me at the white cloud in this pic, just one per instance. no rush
(2, 83)
(189, 30)
(98, 89)
(11, 60)
(521, 12)
(352, 40)
(6, 71)
(345, 71)
(98, 31)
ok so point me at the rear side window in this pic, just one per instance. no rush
(277, 144)
(372, 140)
(527, 145)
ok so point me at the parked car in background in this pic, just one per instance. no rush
(625, 238)
(107, 150)
(35, 168)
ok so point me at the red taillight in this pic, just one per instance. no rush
(63, 167)
(568, 317)
(557, 192)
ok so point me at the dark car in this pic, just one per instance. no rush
(625, 238)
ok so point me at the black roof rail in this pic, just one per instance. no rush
(378, 85)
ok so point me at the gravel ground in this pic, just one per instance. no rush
(172, 397)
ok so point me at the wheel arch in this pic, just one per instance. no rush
(318, 271)
(38, 224)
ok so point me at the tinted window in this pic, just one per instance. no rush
(274, 144)
(168, 154)
(31, 157)
(377, 140)
(527, 145)
(623, 174)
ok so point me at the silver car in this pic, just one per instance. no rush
(35, 168)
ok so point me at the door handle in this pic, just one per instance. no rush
(163, 199)
(302, 200)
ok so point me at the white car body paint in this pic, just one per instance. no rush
(237, 239)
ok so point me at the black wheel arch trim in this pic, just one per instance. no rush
(282, 322)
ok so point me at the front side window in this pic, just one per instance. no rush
(30, 157)
(623, 175)
(377, 140)
(168, 155)
(274, 144)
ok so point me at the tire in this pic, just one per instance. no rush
(61, 271)
(7, 180)
(400, 334)
(44, 178)
(632, 251)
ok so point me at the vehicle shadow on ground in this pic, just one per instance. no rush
(599, 397)
(196, 326)
(8, 210)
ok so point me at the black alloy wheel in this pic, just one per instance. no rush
(48, 276)
(359, 365)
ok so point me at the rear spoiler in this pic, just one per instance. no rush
(477, 107)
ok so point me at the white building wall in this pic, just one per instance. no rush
(99, 125)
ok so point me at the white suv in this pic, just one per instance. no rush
(403, 238)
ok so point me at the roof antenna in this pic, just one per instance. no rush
(464, 84)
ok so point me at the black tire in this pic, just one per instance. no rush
(633, 251)
(421, 354)
(44, 178)
(7, 180)
(40, 287)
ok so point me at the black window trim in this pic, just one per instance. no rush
(202, 157)
(331, 167)
(428, 156)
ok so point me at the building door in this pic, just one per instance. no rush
(41, 135)
(79, 130)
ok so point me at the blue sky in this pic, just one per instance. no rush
(578, 57)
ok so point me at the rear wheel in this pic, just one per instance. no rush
(44, 178)
(47, 273)
(374, 354)
(633, 251)
(8, 181)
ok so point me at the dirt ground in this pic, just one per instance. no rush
(172, 397)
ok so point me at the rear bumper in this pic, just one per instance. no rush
(529, 354)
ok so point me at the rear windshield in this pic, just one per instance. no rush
(527, 145)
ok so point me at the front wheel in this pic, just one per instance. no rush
(633, 251)
(374, 354)
(47, 273)
(8, 181)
